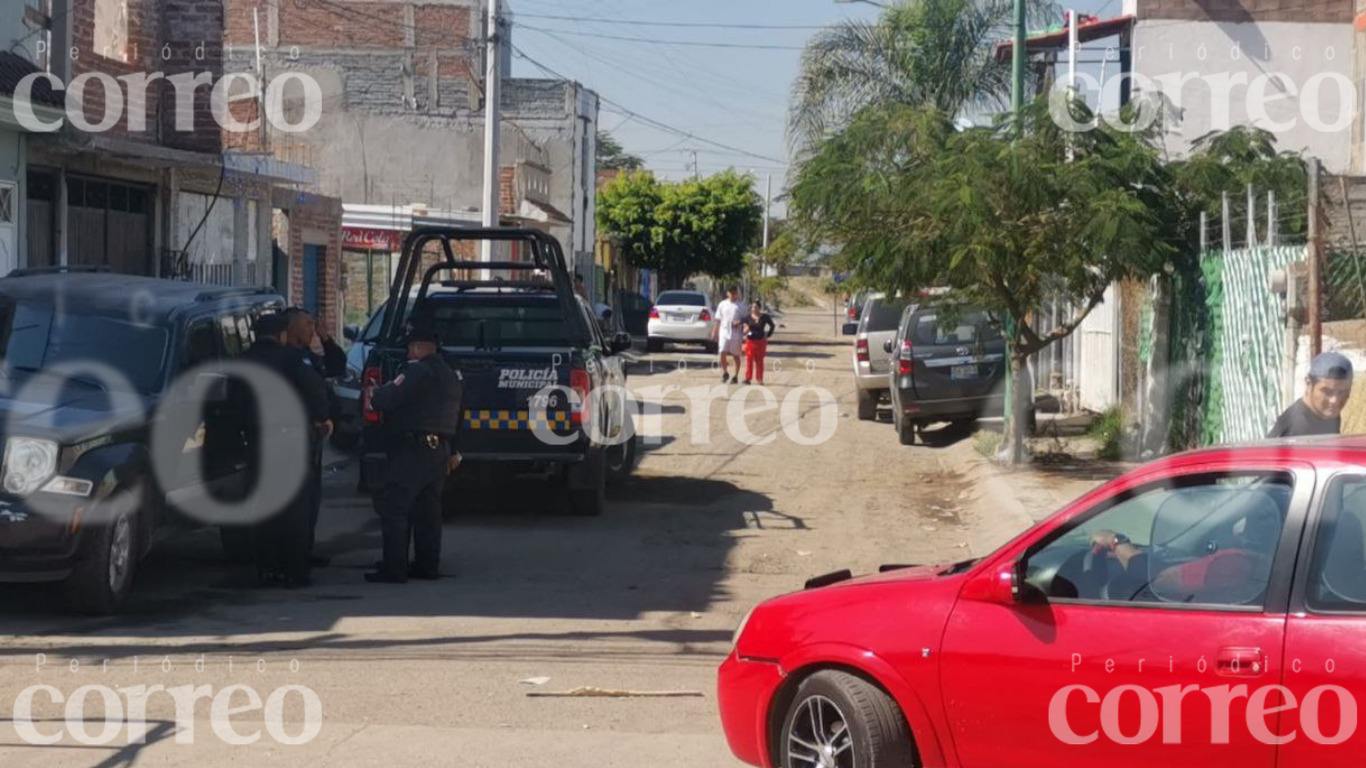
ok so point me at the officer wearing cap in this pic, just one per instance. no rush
(421, 409)
(282, 540)
(1326, 390)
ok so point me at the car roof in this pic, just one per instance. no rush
(1321, 449)
(683, 290)
(105, 293)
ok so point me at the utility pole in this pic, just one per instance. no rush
(1315, 256)
(768, 202)
(1017, 97)
(492, 76)
(696, 173)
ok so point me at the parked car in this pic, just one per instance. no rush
(876, 325)
(511, 340)
(854, 307)
(1223, 567)
(946, 364)
(80, 501)
(680, 317)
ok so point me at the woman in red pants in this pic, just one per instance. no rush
(758, 327)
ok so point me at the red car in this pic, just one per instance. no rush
(1208, 609)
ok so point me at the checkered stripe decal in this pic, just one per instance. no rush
(486, 419)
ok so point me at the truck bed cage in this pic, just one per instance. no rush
(546, 256)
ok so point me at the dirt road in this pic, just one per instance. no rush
(644, 598)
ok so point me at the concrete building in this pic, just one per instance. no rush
(1286, 65)
(403, 122)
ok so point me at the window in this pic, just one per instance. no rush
(7, 204)
(234, 343)
(495, 322)
(201, 345)
(1337, 577)
(111, 29)
(968, 327)
(1208, 540)
(681, 299)
(884, 314)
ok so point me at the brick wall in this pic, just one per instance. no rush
(193, 36)
(507, 190)
(308, 216)
(140, 55)
(1321, 11)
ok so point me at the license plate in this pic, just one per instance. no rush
(674, 318)
(963, 372)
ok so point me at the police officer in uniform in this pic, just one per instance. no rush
(282, 540)
(421, 408)
(303, 331)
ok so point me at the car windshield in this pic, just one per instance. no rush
(34, 336)
(681, 299)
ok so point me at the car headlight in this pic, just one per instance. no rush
(29, 462)
(740, 630)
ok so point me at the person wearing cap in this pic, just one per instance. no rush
(421, 409)
(1326, 390)
(282, 538)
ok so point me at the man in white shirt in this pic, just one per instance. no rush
(728, 334)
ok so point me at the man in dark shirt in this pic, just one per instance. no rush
(1319, 412)
(304, 336)
(283, 537)
(421, 408)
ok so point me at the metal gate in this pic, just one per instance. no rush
(1097, 355)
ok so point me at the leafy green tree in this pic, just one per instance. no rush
(613, 157)
(682, 228)
(1228, 161)
(930, 53)
(1005, 223)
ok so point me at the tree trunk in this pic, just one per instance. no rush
(1156, 417)
(1012, 450)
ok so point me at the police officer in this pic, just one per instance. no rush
(421, 408)
(302, 335)
(282, 538)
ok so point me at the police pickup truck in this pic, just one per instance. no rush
(544, 386)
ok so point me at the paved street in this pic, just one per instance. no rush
(643, 599)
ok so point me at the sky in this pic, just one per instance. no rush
(733, 96)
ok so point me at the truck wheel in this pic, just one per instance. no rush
(103, 577)
(867, 405)
(237, 544)
(621, 460)
(653, 345)
(589, 499)
(905, 431)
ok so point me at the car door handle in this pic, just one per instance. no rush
(1240, 662)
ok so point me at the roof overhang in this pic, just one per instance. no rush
(259, 166)
(544, 213)
(1057, 41)
(10, 119)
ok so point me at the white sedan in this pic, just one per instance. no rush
(681, 317)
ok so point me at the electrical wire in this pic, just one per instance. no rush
(655, 41)
(672, 24)
(623, 110)
(222, 172)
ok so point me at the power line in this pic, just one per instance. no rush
(646, 120)
(656, 41)
(672, 24)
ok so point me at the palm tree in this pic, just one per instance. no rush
(920, 53)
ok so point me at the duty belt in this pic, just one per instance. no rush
(429, 439)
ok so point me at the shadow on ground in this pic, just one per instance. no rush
(510, 551)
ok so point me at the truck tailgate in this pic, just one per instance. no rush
(506, 400)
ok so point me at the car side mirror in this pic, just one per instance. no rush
(620, 342)
(1000, 585)
(887, 346)
(851, 329)
(211, 387)
(351, 332)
